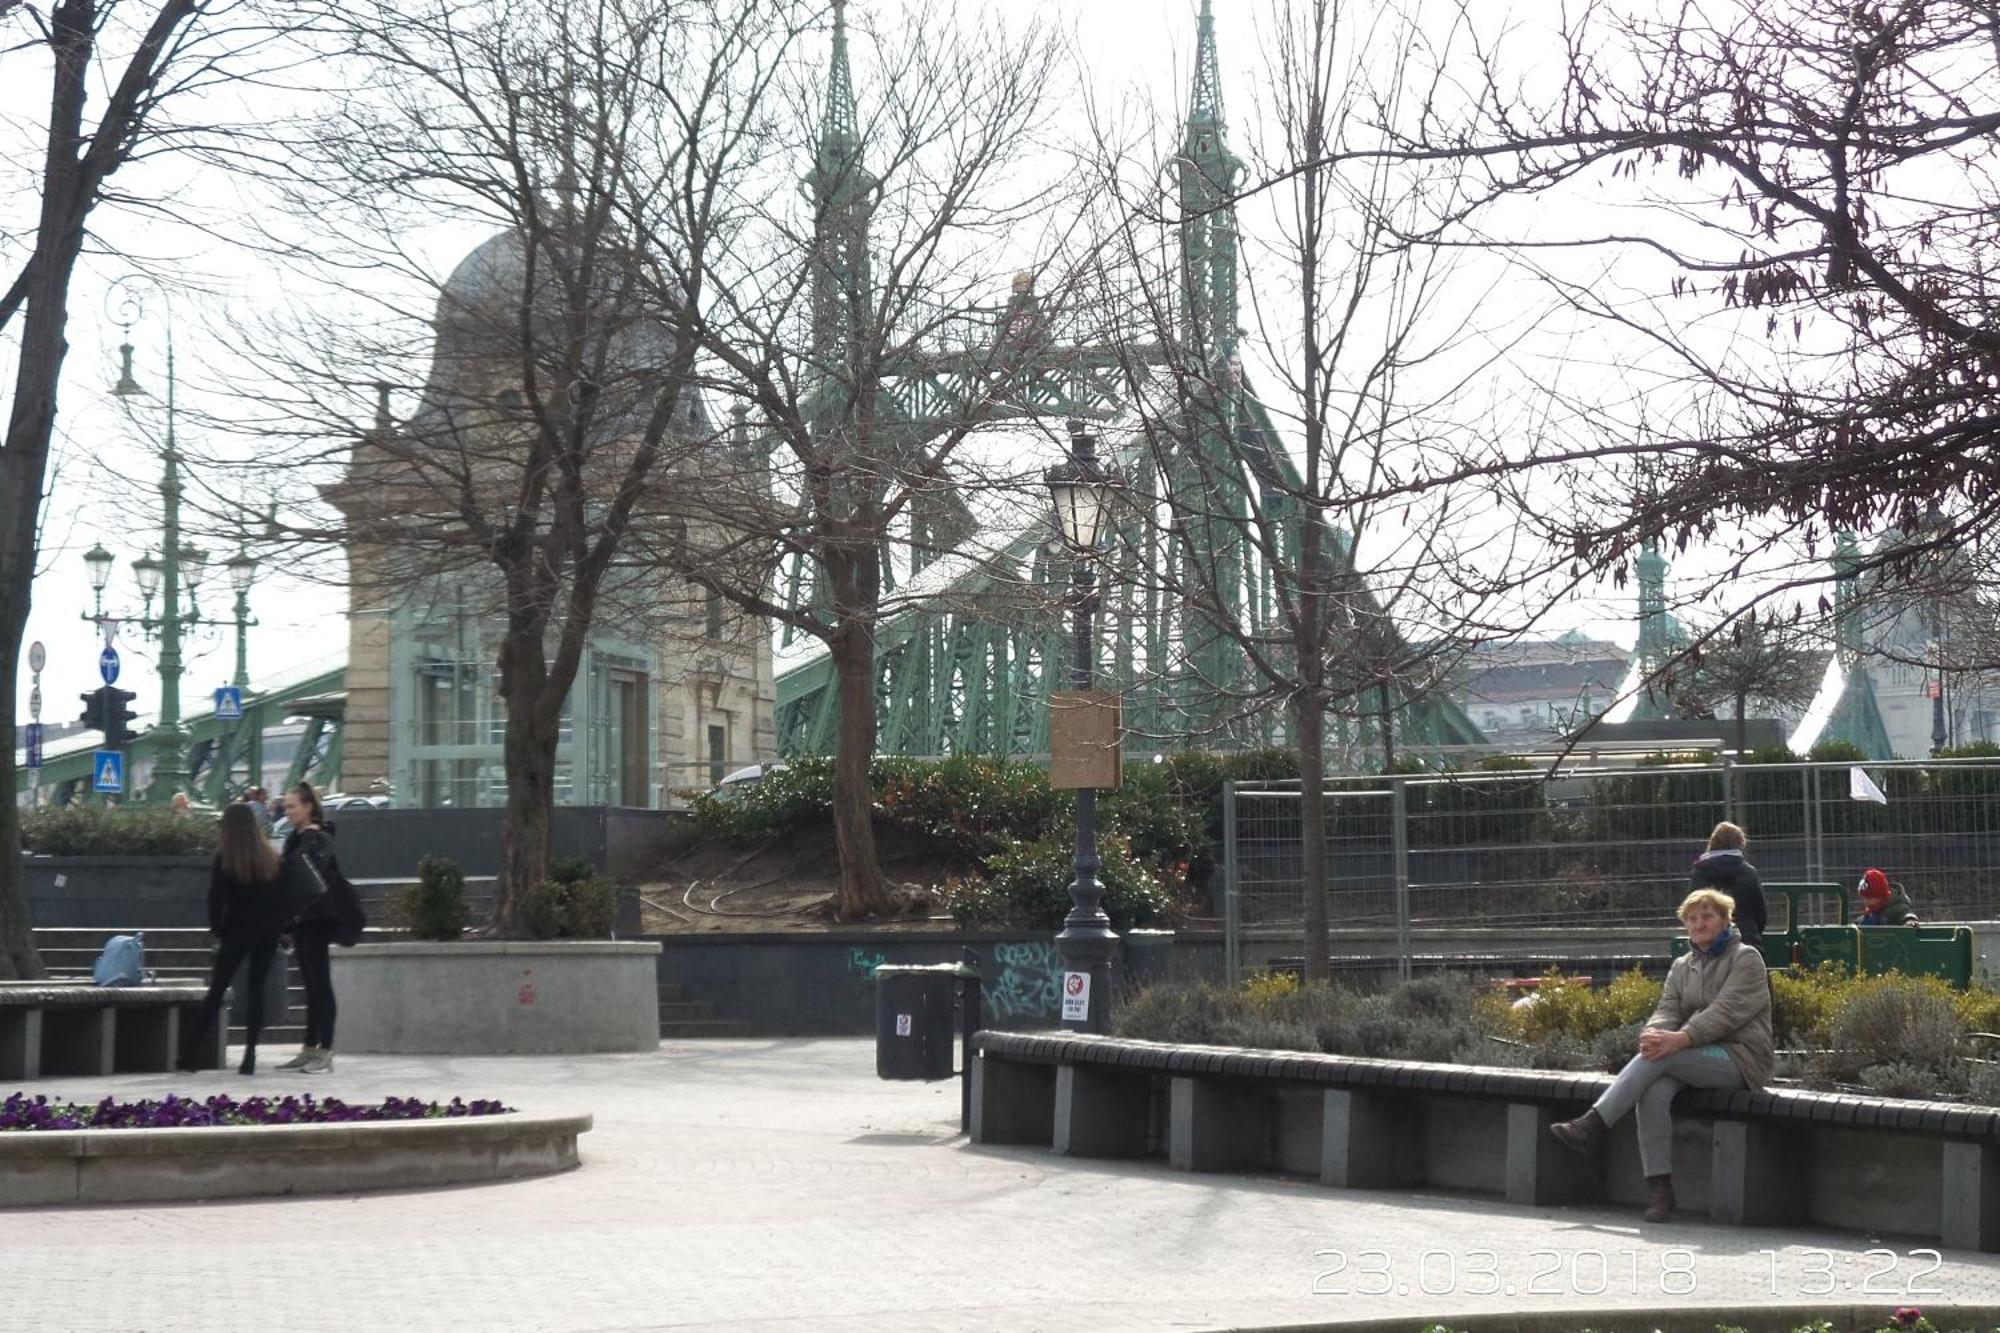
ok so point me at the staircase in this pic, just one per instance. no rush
(183, 955)
(682, 1018)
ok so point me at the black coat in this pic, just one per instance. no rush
(1731, 872)
(340, 916)
(245, 913)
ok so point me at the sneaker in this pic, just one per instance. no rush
(321, 1063)
(302, 1059)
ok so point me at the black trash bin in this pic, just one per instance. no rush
(914, 1011)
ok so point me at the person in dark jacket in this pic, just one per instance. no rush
(246, 914)
(313, 936)
(1724, 866)
(1882, 903)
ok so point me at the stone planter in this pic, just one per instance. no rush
(215, 1162)
(497, 997)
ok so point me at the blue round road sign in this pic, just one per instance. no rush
(107, 665)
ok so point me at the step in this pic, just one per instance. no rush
(704, 1027)
(675, 1011)
(671, 992)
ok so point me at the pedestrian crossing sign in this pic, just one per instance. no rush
(229, 704)
(107, 769)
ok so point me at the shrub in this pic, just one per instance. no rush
(1894, 1019)
(541, 910)
(1028, 888)
(571, 869)
(1803, 1003)
(434, 907)
(1570, 1006)
(590, 909)
(1266, 991)
(91, 830)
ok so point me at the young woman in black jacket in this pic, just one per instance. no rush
(246, 914)
(311, 838)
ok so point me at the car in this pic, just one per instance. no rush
(335, 804)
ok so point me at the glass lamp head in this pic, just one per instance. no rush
(99, 561)
(242, 569)
(147, 567)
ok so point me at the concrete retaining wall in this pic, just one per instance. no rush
(224, 1162)
(498, 997)
(822, 984)
(117, 892)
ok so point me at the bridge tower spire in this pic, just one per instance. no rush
(843, 196)
(1208, 174)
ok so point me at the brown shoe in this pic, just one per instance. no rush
(1659, 1198)
(1581, 1135)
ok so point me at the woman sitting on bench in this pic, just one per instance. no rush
(1711, 1029)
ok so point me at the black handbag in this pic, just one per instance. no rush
(306, 894)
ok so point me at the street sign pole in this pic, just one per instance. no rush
(38, 657)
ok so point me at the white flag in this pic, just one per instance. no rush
(1861, 787)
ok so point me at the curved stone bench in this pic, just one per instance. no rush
(74, 1028)
(227, 1162)
(1750, 1158)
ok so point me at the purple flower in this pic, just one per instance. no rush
(19, 1112)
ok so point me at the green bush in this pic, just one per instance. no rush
(540, 910)
(590, 909)
(1028, 888)
(90, 830)
(435, 907)
(571, 869)
(1896, 1020)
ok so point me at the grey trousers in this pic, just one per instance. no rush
(1650, 1085)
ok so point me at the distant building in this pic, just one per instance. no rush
(1531, 692)
(673, 689)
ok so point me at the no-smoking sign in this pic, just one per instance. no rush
(1076, 997)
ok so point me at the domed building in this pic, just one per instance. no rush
(673, 688)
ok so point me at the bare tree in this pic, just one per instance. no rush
(1313, 587)
(145, 60)
(1763, 659)
(1818, 195)
(874, 331)
(560, 449)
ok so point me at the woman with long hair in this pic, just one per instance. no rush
(246, 914)
(313, 933)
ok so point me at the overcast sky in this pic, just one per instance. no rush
(104, 478)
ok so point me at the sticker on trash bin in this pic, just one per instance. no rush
(902, 1025)
(1076, 997)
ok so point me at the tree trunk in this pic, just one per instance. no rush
(1388, 716)
(1742, 727)
(1312, 832)
(534, 720)
(862, 890)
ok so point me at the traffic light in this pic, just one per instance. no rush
(108, 709)
(116, 716)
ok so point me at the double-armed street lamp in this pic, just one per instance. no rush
(1081, 489)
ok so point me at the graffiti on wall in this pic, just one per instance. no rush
(860, 960)
(1026, 984)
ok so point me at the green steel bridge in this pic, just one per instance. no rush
(971, 643)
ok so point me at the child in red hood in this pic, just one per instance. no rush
(1883, 904)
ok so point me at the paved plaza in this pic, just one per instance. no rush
(779, 1185)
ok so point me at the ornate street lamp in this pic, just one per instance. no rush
(1081, 490)
(159, 576)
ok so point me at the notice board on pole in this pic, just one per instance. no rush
(1085, 740)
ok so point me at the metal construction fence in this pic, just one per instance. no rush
(1539, 848)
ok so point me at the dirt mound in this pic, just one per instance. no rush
(788, 883)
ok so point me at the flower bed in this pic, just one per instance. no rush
(23, 1113)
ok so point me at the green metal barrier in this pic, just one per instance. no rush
(1918, 951)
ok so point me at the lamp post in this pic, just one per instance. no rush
(178, 566)
(242, 569)
(1081, 492)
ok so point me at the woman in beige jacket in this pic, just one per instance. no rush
(1712, 1029)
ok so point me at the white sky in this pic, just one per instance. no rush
(103, 479)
